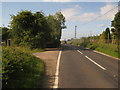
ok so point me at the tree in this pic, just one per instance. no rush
(61, 22)
(116, 25)
(21, 27)
(108, 35)
(105, 36)
(114, 36)
(41, 30)
(37, 30)
(30, 29)
(5, 33)
(54, 31)
(56, 24)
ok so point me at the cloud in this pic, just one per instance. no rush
(101, 25)
(111, 11)
(85, 17)
(69, 13)
(73, 14)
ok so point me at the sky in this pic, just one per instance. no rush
(91, 18)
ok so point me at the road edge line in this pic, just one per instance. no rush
(106, 55)
(57, 71)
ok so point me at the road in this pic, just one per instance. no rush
(83, 68)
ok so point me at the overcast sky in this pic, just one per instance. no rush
(80, 14)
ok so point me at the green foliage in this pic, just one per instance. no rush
(116, 22)
(107, 31)
(56, 24)
(107, 42)
(92, 43)
(36, 30)
(110, 49)
(116, 25)
(20, 69)
(105, 36)
(5, 33)
(28, 29)
(92, 46)
(79, 42)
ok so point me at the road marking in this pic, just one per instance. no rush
(57, 71)
(95, 63)
(80, 52)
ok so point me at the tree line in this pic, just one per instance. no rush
(35, 30)
(109, 35)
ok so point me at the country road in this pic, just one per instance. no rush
(83, 68)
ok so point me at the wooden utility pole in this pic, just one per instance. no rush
(75, 31)
(119, 6)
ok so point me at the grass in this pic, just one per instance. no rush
(110, 49)
(20, 69)
(27, 49)
(37, 50)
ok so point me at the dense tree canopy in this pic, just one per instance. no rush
(5, 33)
(56, 24)
(37, 30)
(116, 25)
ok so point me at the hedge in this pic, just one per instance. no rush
(20, 69)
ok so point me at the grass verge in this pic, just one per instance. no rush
(110, 49)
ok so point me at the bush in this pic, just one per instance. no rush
(92, 46)
(20, 69)
(83, 44)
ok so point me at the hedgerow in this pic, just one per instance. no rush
(20, 69)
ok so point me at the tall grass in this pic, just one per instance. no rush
(110, 49)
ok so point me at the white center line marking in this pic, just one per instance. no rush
(80, 52)
(57, 71)
(95, 63)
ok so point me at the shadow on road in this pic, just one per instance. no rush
(52, 49)
(48, 80)
(66, 47)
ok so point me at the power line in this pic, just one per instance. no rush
(119, 6)
(99, 16)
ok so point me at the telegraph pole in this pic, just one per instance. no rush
(119, 6)
(75, 31)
